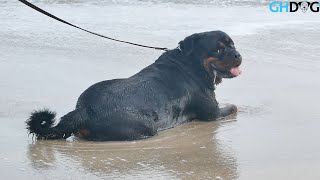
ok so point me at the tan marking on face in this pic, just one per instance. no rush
(221, 44)
(218, 63)
(207, 62)
(207, 65)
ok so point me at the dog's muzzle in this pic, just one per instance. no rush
(233, 72)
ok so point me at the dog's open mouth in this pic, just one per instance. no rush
(233, 72)
(236, 71)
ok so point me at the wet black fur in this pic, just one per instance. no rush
(40, 121)
(173, 90)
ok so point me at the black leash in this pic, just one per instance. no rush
(65, 22)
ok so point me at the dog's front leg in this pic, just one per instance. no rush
(228, 110)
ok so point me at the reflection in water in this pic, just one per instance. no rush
(41, 156)
(190, 151)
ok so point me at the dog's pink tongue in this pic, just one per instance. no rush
(235, 71)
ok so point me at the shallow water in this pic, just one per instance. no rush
(44, 63)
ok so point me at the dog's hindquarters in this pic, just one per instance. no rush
(41, 123)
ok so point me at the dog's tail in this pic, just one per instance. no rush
(40, 124)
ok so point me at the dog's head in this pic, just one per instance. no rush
(216, 52)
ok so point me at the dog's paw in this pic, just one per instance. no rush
(233, 108)
(228, 110)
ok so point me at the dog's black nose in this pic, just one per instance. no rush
(237, 55)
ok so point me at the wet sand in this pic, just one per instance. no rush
(46, 64)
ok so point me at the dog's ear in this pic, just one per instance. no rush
(187, 46)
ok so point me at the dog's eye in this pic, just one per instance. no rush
(219, 51)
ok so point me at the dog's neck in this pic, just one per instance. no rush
(190, 67)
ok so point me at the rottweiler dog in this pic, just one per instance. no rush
(177, 88)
